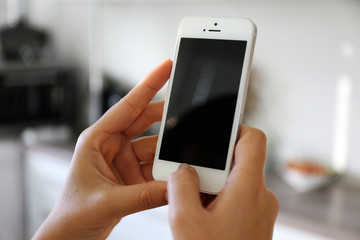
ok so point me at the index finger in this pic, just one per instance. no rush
(250, 154)
(247, 175)
(125, 112)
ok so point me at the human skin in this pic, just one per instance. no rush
(244, 209)
(110, 177)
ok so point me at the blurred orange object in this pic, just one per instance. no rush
(305, 175)
(308, 167)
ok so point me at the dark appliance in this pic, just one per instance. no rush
(24, 43)
(33, 95)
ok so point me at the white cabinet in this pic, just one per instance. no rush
(11, 215)
(46, 169)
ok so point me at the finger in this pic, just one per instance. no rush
(273, 204)
(126, 111)
(144, 148)
(151, 114)
(128, 166)
(247, 175)
(250, 152)
(146, 169)
(183, 191)
(129, 162)
(130, 199)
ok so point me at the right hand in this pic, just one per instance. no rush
(244, 209)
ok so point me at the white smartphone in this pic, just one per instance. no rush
(205, 100)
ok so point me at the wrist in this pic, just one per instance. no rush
(48, 231)
(54, 227)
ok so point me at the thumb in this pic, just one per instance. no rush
(134, 198)
(183, 190)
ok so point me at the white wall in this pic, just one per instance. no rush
(298, 59)
(2, 12)
(68, 24)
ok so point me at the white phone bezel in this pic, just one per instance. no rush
(211, 180)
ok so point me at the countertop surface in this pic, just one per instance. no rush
(332, 211)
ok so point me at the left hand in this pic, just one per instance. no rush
(110, 174)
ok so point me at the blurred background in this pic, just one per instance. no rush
(65, 62)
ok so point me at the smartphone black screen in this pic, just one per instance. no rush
(202, 103)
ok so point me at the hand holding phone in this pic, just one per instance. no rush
(205, 99)
(245, 208)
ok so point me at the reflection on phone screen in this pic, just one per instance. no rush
(202, 102)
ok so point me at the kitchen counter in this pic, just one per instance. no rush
(333, 211)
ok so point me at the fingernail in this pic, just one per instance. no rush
(185, 166)
(166, 59)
